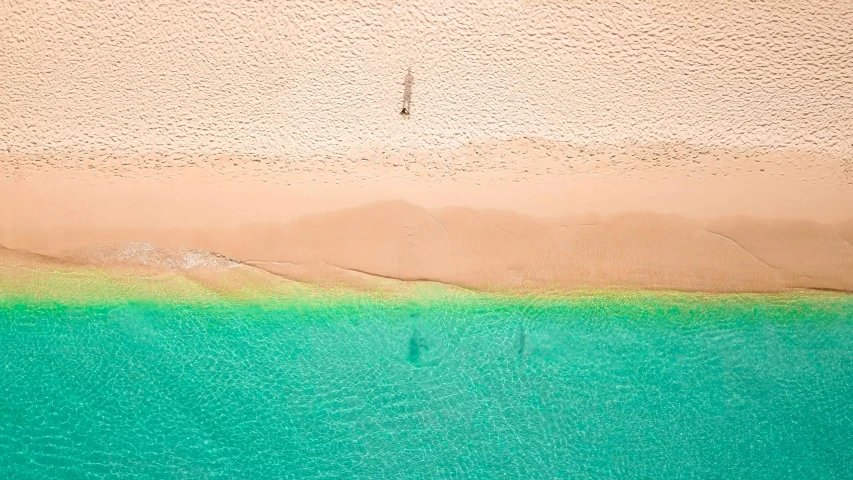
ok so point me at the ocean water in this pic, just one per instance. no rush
(647, 386)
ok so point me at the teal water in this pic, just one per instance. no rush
(655, 388)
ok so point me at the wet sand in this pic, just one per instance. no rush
(768, 222)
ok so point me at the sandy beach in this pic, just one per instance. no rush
(544, 146)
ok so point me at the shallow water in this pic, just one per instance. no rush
(604, 387)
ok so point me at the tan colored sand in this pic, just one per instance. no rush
(492, 250)
(204, 78)
(531, 176)
(551, 144)
(525, 214)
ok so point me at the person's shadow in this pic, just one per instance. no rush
(407, 93)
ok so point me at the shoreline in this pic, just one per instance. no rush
(525, 215)
(32, 279)
(115, 292)
(482, 250)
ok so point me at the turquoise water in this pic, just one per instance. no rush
(596, 388)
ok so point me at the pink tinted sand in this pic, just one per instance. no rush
(521, 215)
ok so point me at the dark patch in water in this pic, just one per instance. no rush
(417, 343)
(522, 340)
